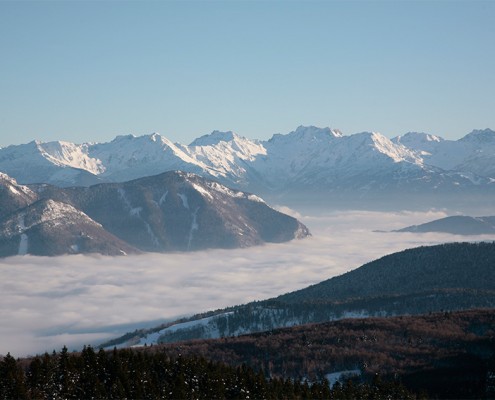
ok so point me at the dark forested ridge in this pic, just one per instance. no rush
(447, 355)
(444, 355)
(445, 266)
(448, 277)
(132, 374)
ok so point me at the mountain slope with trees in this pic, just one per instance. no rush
(173, 211)
(456, 276)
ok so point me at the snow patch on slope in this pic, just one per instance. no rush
(185, 202)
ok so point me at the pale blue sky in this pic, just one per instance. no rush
(88, 71)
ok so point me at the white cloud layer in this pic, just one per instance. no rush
(74, 300)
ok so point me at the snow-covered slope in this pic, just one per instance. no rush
(48, 227)
(474, 153)
(13, 196)
(308, 160)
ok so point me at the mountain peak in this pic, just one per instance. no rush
(120, 138)
(307, 134)
(414, 137)
(214, 138)
(316, 131)
(480, 136)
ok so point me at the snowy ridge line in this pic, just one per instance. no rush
(240, 162)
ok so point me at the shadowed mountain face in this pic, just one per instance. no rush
(456, 225)
(173, 211)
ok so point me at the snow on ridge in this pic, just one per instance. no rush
(55, 210)
(232, 158)
(225, 190)
(46, 211)
(206, 322)
(71, 155)
(214, 138)
(202, 190)
(307, 134)
(14, 187)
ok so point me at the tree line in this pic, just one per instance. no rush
(141, 374)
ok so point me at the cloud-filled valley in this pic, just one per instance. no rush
(74, 300)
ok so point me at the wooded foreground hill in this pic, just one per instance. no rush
(446, 277)
(447, 355)
(442, 355)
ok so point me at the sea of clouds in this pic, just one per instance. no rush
(46, 303)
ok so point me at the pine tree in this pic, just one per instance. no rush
(12, 384)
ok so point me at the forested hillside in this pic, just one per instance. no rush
(445, 266)
(134, 374)
(448, 277)
(444, 355)
(447, 355)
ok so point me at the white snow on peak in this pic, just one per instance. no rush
(72, 155)
(49, 212)
(214, 138)
(385, 146)
(418, 141)
(14, 187)
(202, 190)
(306, 134)
(305, 155)
(225, 154)
(54, 210)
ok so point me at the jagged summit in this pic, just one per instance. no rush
(307, 134)
(308, 161)
(481, 136)
(416, 140)
(214, 138)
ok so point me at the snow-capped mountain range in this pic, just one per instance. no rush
(309, 160)
(172, 211)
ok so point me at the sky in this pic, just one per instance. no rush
(77, 300)
(90, 70)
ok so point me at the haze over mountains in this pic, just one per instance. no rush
(304, 164)
(456, 225)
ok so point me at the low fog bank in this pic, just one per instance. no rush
(75, 300)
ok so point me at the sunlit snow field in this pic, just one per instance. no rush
(74, 300)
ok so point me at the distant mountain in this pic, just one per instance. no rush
(173, 211)
(455, 276)
(456, 225)
(302, 164)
